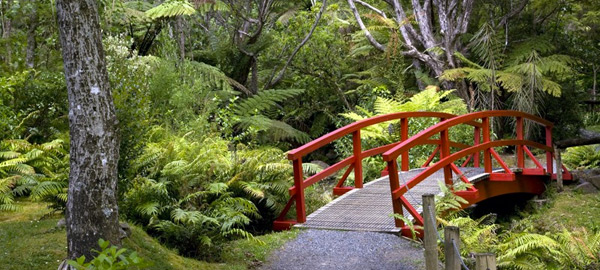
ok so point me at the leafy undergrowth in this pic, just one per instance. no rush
(32, 243)
(569, 209)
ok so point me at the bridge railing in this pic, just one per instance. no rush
(354, 162)
(446, 162)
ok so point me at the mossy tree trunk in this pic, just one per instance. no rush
(92, 203)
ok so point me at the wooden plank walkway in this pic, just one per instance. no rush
(369, 208)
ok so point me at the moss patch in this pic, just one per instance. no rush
(31, 243)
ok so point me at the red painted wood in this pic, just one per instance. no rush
(462, 153)
(283, 225)
(357, 149)
(502, 177)
(444, 152)
(412, 211)
(476, 142)
(339, 191)
(523, 184)
(431, 157)
(286, 209)
(463, 119)
(533, 171)
(487, 160)
(299, 184)
(500, 161)
(392, 151)
(537, 163)
(458, 172)
(394, 184)
(338, 133)
(321, 175)
(464, 164)
(404, 137)
(340, 183)
(468, 194)
(520, 156)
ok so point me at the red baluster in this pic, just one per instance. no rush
(299, 184)
(357, 149)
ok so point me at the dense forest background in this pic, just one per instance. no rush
(211, 93)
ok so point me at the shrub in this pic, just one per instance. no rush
(110, 258)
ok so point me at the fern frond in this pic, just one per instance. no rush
(171, 8)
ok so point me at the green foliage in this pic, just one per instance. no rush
(429, 99)
(517, 247)
(582, 157)
(110, 258)
(39, 171)
(250, 115)
(171, 8)
(195, 195)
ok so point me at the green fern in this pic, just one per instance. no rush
(582, 157)
(40, 171)
(171, 8)
(249, 113)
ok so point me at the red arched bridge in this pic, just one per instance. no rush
(369, 207)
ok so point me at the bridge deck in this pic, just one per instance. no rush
(369, 208)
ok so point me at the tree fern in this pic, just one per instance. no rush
(171, 8)
(249, 115)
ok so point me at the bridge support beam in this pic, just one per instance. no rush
(299, 184)
(444, 152)
(404, 137)
(520, 154)
(357, 149)
(487, 159)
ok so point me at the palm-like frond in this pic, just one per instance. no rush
(171, 8)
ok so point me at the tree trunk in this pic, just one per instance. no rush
(31, 42)
(181, 38)
(92, 203)
(6, 31)
(595, 69)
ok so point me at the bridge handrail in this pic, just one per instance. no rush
(356, 126)
(451, 122)
(460, 154)
(353, 162)
(400, 191)
(447, 159)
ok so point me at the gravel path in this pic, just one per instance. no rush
(347, 250)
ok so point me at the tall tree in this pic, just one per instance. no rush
(430, 30)
(92, 203)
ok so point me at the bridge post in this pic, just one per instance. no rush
(299, 183)
(487, 159)
(549, 165)
(404, 137)
(430, 237)
(520, 154)
(444, 152)
(477, 136)
(394, 185)
(357, 149)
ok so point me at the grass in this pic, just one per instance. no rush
(569, 209)
(30, 242)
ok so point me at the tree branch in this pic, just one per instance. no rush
(297, 49)
(378, 11)
(362, 26)
(513, 12)
(408, 32)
